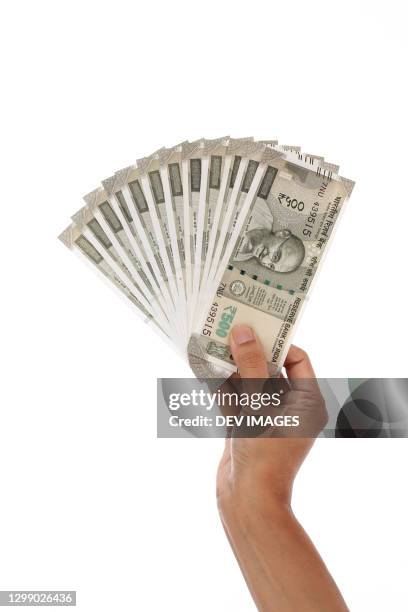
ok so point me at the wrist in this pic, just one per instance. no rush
(247, 503)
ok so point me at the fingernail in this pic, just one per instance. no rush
(242, 334)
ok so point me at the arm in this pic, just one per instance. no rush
(280, 564)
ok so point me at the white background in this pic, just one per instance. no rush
(89, 499)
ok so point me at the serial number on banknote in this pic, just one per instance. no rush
(225, 321)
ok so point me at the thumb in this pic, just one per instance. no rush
(248, 353)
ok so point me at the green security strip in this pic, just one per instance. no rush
(279, 287)
(265, 282)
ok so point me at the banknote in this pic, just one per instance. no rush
(187, 209)
(137, 238)
(276, 245)
(207, 234)
(206, 204)
(246, 157)
(90, 221)
(200, 168)
(169, 166)
(106, 225)
(231, 212)
(141, 207)
(156, 186)
(220, 165)
(92, 256)
(194, 176)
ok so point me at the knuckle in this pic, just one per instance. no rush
(302, 354)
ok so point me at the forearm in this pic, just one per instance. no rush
(281, 566)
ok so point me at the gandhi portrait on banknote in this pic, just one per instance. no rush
(280, 251)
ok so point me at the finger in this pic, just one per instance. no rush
(248, 353)
(300, 370)
(249, 356)
(297, 364)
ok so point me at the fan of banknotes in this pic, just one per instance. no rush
(213, 233)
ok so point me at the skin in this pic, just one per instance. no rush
(282, 568)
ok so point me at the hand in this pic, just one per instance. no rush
(283, 570)
(249, 460)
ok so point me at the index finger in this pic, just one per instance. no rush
(297, 364)
(300, 370)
